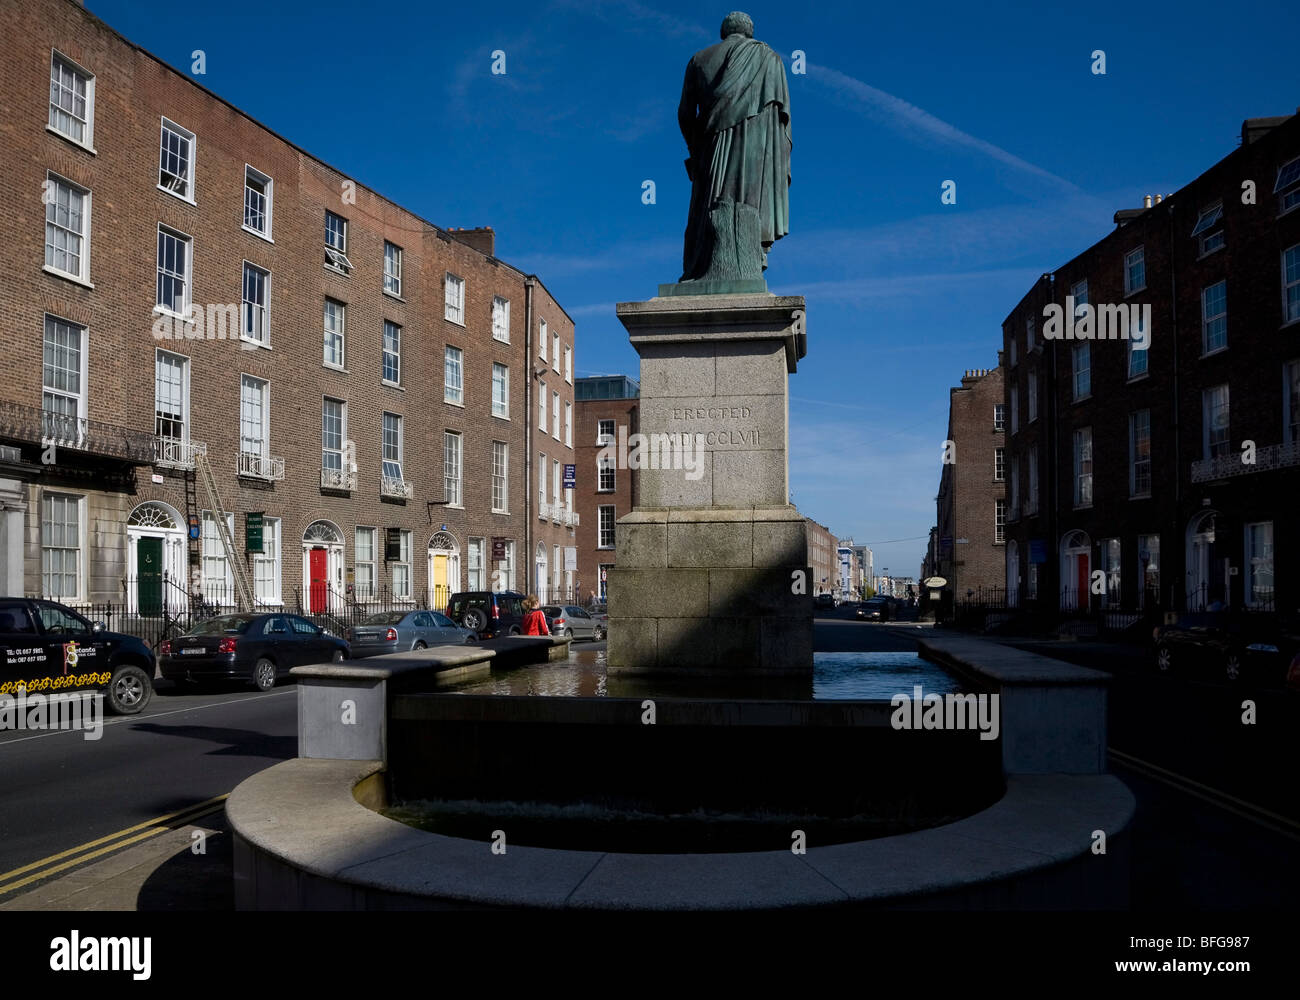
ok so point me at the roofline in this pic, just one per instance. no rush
(450, 234)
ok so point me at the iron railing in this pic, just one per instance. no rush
(34, 425)
(338, 479)
(258, 466)
(1267, 458)
(175, 454)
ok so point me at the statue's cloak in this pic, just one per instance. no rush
(735, 117)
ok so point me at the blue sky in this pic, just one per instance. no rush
(904, 293)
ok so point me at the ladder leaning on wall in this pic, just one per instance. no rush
(243, 588)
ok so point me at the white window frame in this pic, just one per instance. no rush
(555, 352)
(388, 465)
(392, 269)
(341, 450)
(187, 242)
(183, 439)
(1205, 228)
(453, 299)
(1287, 186)
(556, 482)
(78, 502)
(1253, 563)
(1290, 286)
(1111, 562)
(217, 556)
(1015, 408)
(1078, 371)
(1031, 395)
(1140, 253)
(568, 424)
(249, 308)
(1134, 460)
(1290, 403)
(606, 467)
(541, 406)
(1031, 498)
(1083, 481)
(568, 364)
(555, 415)
(453, 362)
(999, 465)
(500, 400)
(600, 525)
(401, 568)
(501, 319)
(605, 437)
(371, 563)
(999, 416)
(54, 182)
(337, 332)
(51, 428)
(253, 382)
(181, 132)
(476, 564)
(1208, 437)
(336, 257)
(500, 477)
(542, 340)
(385, 353)
(273, 558)
(453, 469)
(1079, 290)
(1133, 352)
(542, 466)
(87, 141)
(1207, 319)
(267, 196)
(999, 521)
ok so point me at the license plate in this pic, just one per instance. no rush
(193, 651)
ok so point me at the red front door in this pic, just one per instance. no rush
(318, 575)
(1085, 591)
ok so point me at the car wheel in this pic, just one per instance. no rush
(598, 634)
(1232, 668)
(471, 640)
(129, 690)
(264, 674)
(514, 630)
(420, 645)
(338, 656)
(566, 633)
(1164, 659)
(476, 619)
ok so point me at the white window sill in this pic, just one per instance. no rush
(1211, 253)
(450, 319)
(1140, 496)
(249, 344)
(1086, 506)
(334, 367)
(500, 416)
(449, 402)
(178, 197)
(75, 279)
(1143, 288)
(501, 340)
(454, 506)
(1081, 399)
(1217, 350)
(258, 234)
(159, 310)
(337, 270)
(604, 548)
(1138, 378)
(68, 139)
(495, 511)
(392, 385)
(1290, 322)
(395, 295)
(1285, 211)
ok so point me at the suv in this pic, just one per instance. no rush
(47, 646)
(489, 613)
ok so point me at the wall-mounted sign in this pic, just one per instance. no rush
(935, 582)
(253, 522)
(570, 477)
(157, 478)
(498, 549)
(393, 545)
(195, 530)
(571, 557)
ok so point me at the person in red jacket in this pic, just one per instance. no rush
(534, 619)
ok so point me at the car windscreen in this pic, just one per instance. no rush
(385, 618)
(223, 625)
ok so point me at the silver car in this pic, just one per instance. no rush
(398, 631)
(571, 620)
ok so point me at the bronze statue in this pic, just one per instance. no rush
(735, 117)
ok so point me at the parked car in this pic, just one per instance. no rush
(261, 648)
(822, 601)
(878, 609)
(397, 631)
(488, 613)
(571, 620)
(1232, 645)
(45, 646)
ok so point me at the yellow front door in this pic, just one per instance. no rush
(441, 592)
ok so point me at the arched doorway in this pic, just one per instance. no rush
(1205, 571)
(1013, 573)
(542, 573)
(155, 559)
(1076, 553)
(444, 569)
(322, 567)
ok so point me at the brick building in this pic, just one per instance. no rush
(822, 558)
(188, 292)
(1171, 471)
(971, 505)
(608, 409)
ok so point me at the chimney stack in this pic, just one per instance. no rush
(482, 239)
(1146, 202)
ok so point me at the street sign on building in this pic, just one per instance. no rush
(253, 522)
(570, 477)
(498, 548)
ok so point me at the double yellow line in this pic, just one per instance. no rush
(55, 863)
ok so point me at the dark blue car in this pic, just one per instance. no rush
(261, 648)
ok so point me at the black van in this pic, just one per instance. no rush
(47, 647)
(490, 613)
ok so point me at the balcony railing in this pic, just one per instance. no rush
(391, 487)
(258, 466)
(169, 453)
(557, 513)
(543, 511)
(570, 518)
(33, 425)
(338, 479)
(1267, 458)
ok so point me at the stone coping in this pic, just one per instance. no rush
(738, 316)
(302, 817)
(1005, 664)
(389, 665)
(709, 515)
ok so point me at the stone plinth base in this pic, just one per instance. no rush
(711, 591)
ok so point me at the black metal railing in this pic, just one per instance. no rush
(34, 425)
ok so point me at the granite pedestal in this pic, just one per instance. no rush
(711, 574)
